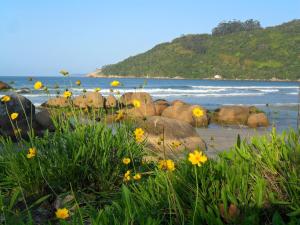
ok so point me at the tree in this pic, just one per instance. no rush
(228, 27)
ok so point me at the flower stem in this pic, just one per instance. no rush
(197, 191)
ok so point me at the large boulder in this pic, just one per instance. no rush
(43, 119)
(26, 115)
(258, 120)
(129, 97)
(17, 104)
(184, 112)
(111, 102)
(59, 102)
(89, 99)
(4, 86)
(145, 110)
(235, 115)
(171, 137)
(178, 102)
(160, 105)
(23, 91)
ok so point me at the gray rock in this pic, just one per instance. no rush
(23, 91)
(26, 115)
(43, 118)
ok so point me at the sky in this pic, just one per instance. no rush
(39, 38)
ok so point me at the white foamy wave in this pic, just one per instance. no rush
(248, 87)
(270, 105)
(270, 90)
(293, 93)
(161, 90)
(207, 95)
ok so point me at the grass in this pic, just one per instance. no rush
(80, 167)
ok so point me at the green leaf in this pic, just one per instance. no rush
(277, 219)
(14, 198)
(39, 201)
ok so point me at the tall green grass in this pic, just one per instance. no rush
(80, 167)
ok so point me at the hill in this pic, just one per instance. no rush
(233, 51)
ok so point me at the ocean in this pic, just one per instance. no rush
(278, 99)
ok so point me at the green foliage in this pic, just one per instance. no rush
(249, 54)
(80, 168)
(236, 26)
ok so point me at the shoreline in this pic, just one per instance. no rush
(92, 75)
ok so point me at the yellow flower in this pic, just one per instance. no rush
(67, 94)
(115, 83)
(31, 153)
(78, 82)
(38, 85)
(120, 115)
(139, 133)
(127, 176)
(5, 98)
(97, 89)
(64, 72)
(136, 103)
(14, 116)
(126, 161)
(137, 176)
(197, 112)
(197, 158)
(166, 164)
(62, 213)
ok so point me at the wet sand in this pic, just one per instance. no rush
(220, 139)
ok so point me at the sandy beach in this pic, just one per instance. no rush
(220, 139)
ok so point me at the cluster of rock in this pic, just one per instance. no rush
(169, 126)
(179, 110)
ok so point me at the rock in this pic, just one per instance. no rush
(170, 135)
(17, 104)
(258, 120)
(57, 102)
(43, 118)
(89, 99)
(4, 86)
(160, 105)
(144, 110)
(143, 97)
(184, 112)
(25, 120)
(178, 102)
(23, 91)
(237, 115)
(111, 102)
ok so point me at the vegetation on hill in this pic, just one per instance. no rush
(241, 50)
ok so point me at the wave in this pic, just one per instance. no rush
(270, 104)
(270, 90)
(208, 95)
(248, 87)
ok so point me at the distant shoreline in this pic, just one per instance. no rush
(93, 75)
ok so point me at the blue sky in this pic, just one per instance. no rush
(42, 37)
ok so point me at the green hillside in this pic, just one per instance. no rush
(260, 53)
